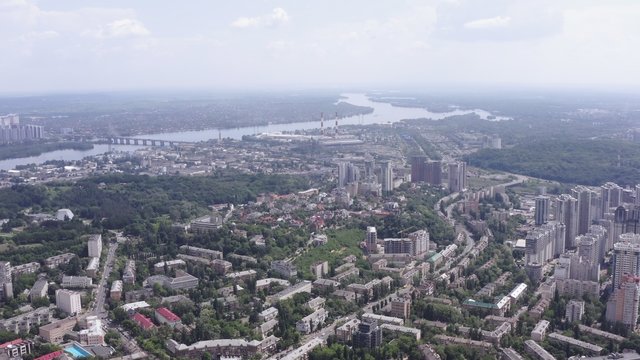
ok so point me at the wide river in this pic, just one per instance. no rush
(383, 113)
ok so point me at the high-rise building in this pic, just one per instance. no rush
(433, 172)
(369, 168)
(417, 244)
(457, 176)
(626, 258)
(574, 311)
(95, 245)
(68, 301)
(542, 210)
(12, 132)
(566, 212)
(583, 195)
(372, 240)
(6, 284)
(541, 242)
(610, 197)
(420, 240)
(343, 168)
(369, 335)
(622, 306)
(418, 168)
(386, 175)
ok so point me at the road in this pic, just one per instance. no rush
(101, 291)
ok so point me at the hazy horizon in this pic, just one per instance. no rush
(74, 46)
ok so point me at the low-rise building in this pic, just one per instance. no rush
(540, 330)
(39, 289)
(325, 285)
(54, 332)
(94, 334)
(538, 352)
(28, 268)
(92, 267)
(268, 282)
(592, 348)
(55, 261)
(242, 275)
(24, 322)
(268, 314)
(201, 252)
(182, 281)
(162, 266)
(602, 334)
(481, 346)
(144, 322)
(345, 295)
(222, 348)
(129, 272)
(15, 349)
(166, 316)
(402, 330)
(80, 282)
(345, 331)
(312, 322)
(303, 286)
(116, 290)
(510, 354)
(382, 319)
(221, 267)
(131, 307)
(284, 268)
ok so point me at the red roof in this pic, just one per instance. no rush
(143, 321)
(50, 356)
(13, 342)
(167, 314)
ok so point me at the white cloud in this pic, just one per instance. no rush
(121, 28)
(494, 22)
(39, 35)
(278, 16)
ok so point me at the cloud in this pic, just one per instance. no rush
(494, 22)
(121, 28)
(39, 35)
(277, 17)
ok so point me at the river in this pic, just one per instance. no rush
(383, 113)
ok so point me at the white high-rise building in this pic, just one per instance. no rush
(610, 197)
(457, 176)
(95, 245)
(6, 284)
(68, 301)
(583, 194)
(566, 212)
(386, 176)
(372, 240)
(626, 257)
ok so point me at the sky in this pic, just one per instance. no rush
(86, 45)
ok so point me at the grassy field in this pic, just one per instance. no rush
(341, 243)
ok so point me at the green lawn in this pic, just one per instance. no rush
(341, 243)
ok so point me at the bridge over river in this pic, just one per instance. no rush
(144, 142)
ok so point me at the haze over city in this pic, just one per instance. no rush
(75, 46)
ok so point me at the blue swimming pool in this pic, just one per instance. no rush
(77, 352)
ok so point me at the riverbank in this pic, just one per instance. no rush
(14, 151)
